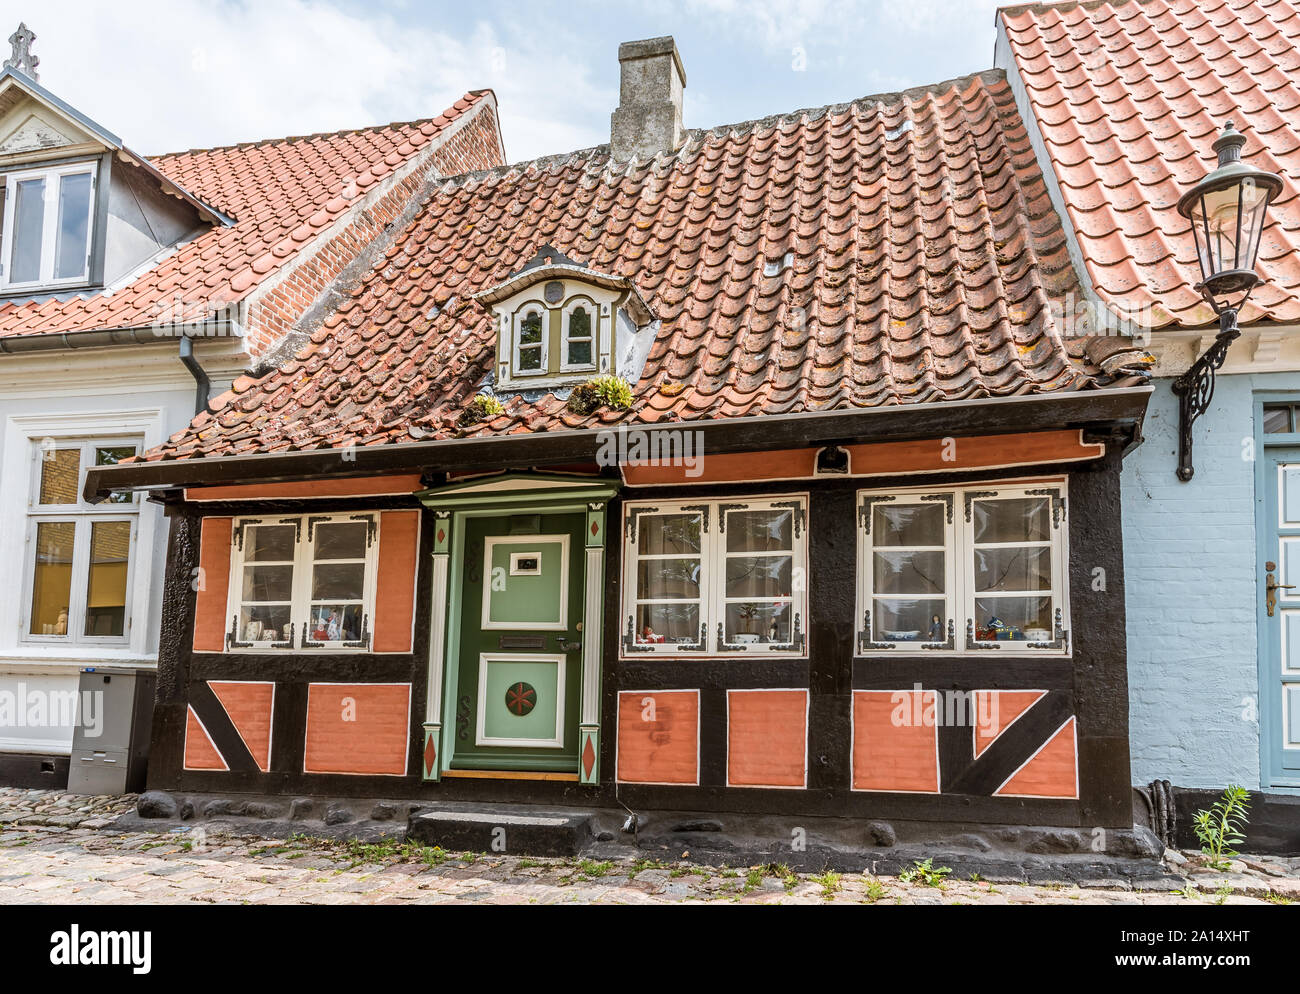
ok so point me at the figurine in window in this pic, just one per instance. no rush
(61, 626)
(333, 630)
(936, 628)
(773, 632)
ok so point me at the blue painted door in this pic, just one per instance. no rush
(1279, 613)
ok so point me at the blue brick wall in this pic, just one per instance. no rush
(1190, 589)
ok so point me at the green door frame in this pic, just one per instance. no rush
(498, 496)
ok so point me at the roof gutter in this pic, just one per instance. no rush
(1119, 410)
(98, 338)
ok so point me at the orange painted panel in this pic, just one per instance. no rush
(249, 706)
(357, 728)
(892, 749)
(200, 753)
(995, 710)
(767, 738)
(210, 621)
(399, 539)
(1053, 771)
(659, 736)
(367, 486)
(932, 455)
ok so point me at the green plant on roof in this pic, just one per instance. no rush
(1219, 828)
(613, 392)
(482, 407)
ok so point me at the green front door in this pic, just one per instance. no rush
(519, 675)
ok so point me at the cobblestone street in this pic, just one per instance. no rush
(58, 848)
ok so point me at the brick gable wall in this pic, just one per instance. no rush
(279, 308)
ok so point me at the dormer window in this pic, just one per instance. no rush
(47, 223)
(559, 322)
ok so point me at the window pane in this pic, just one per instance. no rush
(758, 531)
(111, 455)
(754, 623)
(1020, 519)
(265, 623)
(907, 524)
(52, 577)
(530, 329)
(60, 473)
(335, 623)
(580, 353)
(1277, 419)
(338, 581)
(269, 543)
(267, 583)
(29, 229)
(530, 358)
(908, 620)
(668, 534)
(74, 226)
(667, 623)
(902, 572)
(110, 553)
(759, 576)
(668, 579)
(1013, 569)
(1013, 618)
(344, 540)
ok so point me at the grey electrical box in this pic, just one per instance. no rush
(110, 743)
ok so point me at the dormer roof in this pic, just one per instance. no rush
(551, 264)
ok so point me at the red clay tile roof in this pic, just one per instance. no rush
(281, 195)
(924, 261)
(1129, 97)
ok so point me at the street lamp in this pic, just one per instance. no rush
(1227, 211)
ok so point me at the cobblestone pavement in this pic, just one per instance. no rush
(59, 848)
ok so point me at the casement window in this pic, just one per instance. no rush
(715, 577)
(78, 559)
(549, 337)
(48, 219)
(302, 582)
(531, 341)
(579, 323)
(967, 569)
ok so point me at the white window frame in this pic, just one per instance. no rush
(516, 334)
(83, 516)
(713, 555)
(53, 176)
(959, 567)
(593, 311)
(300, 598)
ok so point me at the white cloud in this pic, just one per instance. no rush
(176, 74)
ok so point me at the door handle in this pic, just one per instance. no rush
(1271, 587)
(562, 641)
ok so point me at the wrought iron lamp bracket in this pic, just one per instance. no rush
(1195, 388)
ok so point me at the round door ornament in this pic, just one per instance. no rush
(521, 698)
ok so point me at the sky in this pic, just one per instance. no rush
(168, 75)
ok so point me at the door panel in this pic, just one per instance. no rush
(518, 675)
(1279, 537)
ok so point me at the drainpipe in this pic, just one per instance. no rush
(203, 384)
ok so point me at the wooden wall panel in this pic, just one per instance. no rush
(357, 728)
(767, 738)
(210, 621)
(1002, 707)
(399, 540)
(659, 736)
(250, 705)
(368, 486)
(893, 755)
(200, 753)
(1052, 772)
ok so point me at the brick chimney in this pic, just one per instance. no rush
(649, 115)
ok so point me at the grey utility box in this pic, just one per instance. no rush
(110, 743)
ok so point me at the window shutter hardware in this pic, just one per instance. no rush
(722, 635)
(972, 642)
(948, 502)
(973, 495)
(864, 509)
(371, 526)
(232, 636)
(864, 636)
(307, 643)
(239, 531)
(952, 635)
(1062, 640)
(800, 515)
(1058, 503)
(704, 514)
(722, 514)
(699, 646)
(629, 640)
(796, 643)
(313, 521)
(632, 516)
